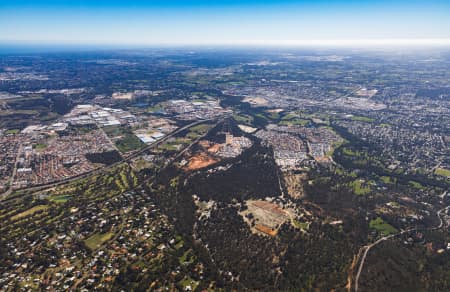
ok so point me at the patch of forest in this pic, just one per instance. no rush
(406, 268)
(107, 158)
(253, 176)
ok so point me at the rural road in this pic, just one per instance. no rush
(368, 247)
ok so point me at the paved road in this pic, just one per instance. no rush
(13, 174)
(102, 130)
(104, 168)
(366, 251)
(438, 213)
(368, 247)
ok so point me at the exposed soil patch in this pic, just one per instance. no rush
(199, 161)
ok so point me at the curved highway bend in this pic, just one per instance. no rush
(4, 195)
(368, 247)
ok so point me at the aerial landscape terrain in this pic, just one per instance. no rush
(205, 169)
(226, 145)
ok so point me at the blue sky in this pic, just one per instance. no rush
(221, 22)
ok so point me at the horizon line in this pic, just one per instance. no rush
(385, 42)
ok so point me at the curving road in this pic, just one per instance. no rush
(368, 247)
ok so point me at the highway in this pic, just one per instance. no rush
(4, 195)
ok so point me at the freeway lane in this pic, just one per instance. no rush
(4, 195)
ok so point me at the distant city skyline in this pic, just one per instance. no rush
(226, 22)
